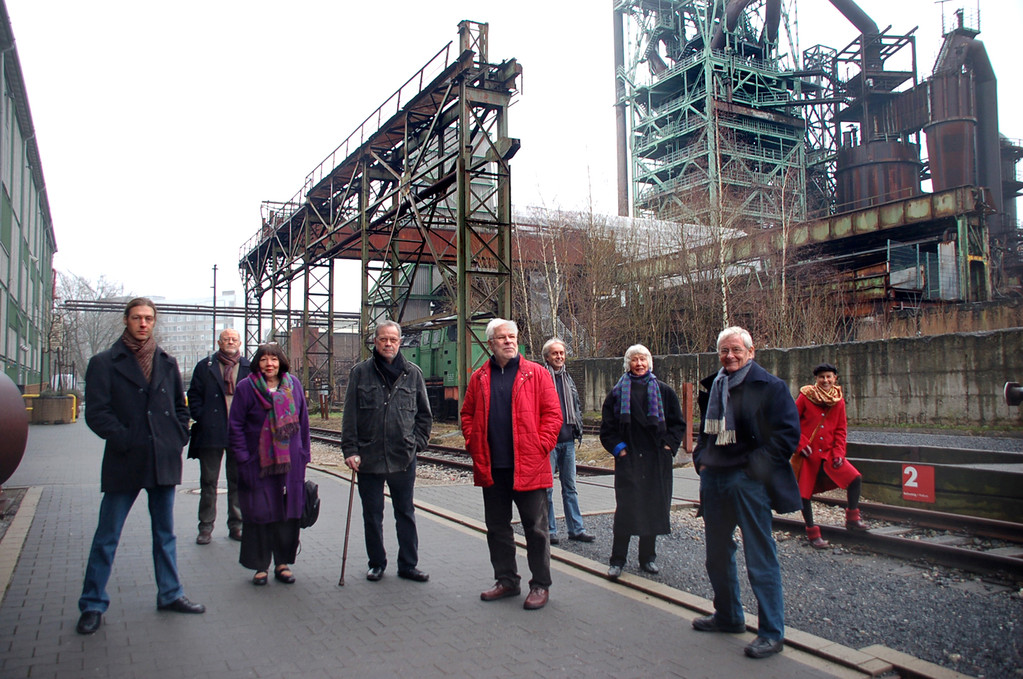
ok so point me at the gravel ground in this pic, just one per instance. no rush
(1006, 443)
(955, 619)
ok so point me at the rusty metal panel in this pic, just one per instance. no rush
(892, 214)
(841, 226)
(918, 209)
(865, 221)
(946, 204)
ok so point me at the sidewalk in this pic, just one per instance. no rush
(314, 628)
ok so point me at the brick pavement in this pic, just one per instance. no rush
(591, 627)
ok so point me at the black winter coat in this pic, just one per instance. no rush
(207, 403)
(385, 428)
(643, 478)
(767, 423)
(145, 426)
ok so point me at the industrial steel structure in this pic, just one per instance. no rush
(821, 159)
(419, 193)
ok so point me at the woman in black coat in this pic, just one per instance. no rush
(642, 427)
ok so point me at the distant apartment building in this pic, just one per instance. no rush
(27, 243)
(192, 337)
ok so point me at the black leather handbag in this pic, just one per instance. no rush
(311, 507)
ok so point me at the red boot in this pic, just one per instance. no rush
(853, 521)
(813, 534)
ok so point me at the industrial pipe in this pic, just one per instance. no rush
(621, 129)
(735, 9)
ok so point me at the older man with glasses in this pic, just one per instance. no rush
(750, 430)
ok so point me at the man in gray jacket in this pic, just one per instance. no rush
(386, 421)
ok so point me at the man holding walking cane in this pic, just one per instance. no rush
(386, 421)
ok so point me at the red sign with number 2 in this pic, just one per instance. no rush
(918, 483)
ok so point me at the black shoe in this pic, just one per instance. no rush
(555, 540)
(182, 605)
(284, 575)
(650, 567)
(414, 574)
(614, 572)
(761, 647)
(374, 574)
(582, 537)
(710, 624)
(89, 622)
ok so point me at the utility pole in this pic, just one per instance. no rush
(214, 307)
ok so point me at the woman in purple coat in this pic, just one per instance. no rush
(269, 436)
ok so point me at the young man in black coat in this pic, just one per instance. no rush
(135, 401)
(209, 401)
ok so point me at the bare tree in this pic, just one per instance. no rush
(86, 333)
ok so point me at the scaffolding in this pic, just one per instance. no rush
(420, 189)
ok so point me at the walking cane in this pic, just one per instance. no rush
(348, 530)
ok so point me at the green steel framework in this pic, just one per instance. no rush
(423, 182)
(703, 140)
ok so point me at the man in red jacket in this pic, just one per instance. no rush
(511, 417)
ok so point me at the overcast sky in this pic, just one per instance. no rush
(162, 126)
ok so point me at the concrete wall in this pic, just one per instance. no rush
(942, 380)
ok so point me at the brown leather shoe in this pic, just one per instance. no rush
(235, 533)
(537, 598)
(500, 591)
(204, 538)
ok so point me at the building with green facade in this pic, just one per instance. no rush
(27, 243)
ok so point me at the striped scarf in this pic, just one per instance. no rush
(623, 397)
(568, 407)
(144, 352)
(280, 424)
(720, 418)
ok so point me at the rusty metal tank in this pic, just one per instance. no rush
(952, 136)
(13, 427)
(877, 172)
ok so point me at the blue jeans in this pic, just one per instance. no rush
(371, 492)
(113, 511)
(730, 498)
(563, 463)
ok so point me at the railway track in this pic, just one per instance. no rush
(446, 455)
(953, 540)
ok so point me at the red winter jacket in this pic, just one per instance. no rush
(824, 430)
(536, 421)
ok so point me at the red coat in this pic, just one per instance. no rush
(823, 428)
(536, 422)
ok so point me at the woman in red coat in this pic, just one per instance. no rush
(823, 464)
